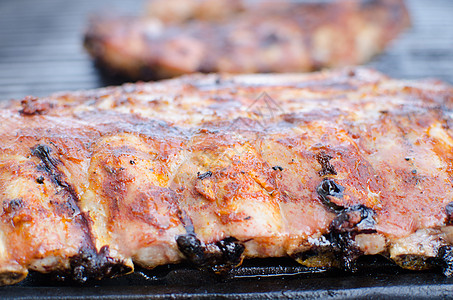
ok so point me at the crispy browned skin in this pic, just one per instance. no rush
(322, 167)
(275, 36)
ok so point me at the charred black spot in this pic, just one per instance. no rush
(192, 248)
(232, 250)
(91, 265)
(445, 260)
(13, 205)
(449, 212)
(348, 223)
(202, 176)
(43, 153)
(277, 168)
(40, 180)
(329, 188)
(344, 249)
(354, 218)
(324, 160)
(228, 254)
(49, 165)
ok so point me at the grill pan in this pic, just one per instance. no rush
(257, 279)
(41, 53)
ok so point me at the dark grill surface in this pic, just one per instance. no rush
(41, 53)
(41, 50)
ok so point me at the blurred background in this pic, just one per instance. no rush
(41, 49)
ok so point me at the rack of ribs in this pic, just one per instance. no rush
(185, 36)
(322, 167)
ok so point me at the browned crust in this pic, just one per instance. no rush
(322, 167)
(287, 37)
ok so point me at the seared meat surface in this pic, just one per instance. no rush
(213, 169)
(186, 36)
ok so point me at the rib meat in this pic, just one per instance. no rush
(186, 36)
(322, 167)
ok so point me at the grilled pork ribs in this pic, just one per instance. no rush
(321, 167)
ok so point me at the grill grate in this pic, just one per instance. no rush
(41, 45)
(41, 51)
